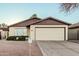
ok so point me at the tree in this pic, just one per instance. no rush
(67, 7)
(3, 25)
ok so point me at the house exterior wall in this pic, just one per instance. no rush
(6, 33)
(32, 30)
(3, 34)
(28, 31)
(73, 34)
(13, 29)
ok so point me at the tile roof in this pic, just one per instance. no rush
(51, 18)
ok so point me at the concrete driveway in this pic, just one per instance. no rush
(19, 48)
(60, 48)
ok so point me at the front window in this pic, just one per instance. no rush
(20, 31)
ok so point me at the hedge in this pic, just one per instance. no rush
(17, 38)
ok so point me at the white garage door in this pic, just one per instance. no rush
(49, 34)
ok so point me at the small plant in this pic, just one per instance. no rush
(17, 38)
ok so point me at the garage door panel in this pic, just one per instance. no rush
(49, 33)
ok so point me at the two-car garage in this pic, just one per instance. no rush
(49, 29)
(49, 33)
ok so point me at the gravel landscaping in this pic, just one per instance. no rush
(18, 48)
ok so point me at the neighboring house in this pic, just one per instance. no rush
(41, 29)
(74, 32)
(3, 33)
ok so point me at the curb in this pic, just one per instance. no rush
(44, 54)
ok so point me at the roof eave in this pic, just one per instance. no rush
(23, 21)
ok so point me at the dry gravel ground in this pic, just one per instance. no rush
(59, 48)
(18, 48)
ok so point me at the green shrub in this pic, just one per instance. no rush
(17, 38)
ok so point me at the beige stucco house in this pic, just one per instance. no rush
(41, 29)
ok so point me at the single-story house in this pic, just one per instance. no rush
(3, 33)
(74, 32)
(41, 29)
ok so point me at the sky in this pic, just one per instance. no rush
(11, 13)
